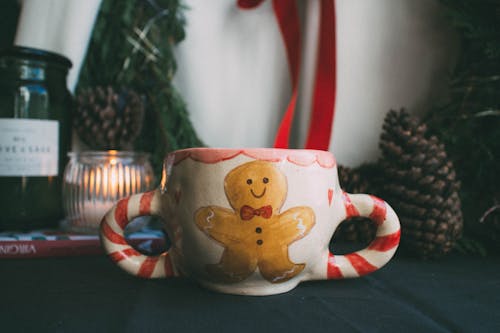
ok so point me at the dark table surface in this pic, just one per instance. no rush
(89, 294)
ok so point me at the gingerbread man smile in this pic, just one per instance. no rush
(265, 180)
(260, 195)
(254, 233)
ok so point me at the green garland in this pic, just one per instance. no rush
(469, 123)
(131, 46)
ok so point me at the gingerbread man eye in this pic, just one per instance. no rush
(265, 180)
(249, 181)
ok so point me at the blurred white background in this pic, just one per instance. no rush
(233, 70)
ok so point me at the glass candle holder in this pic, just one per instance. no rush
(95, 180)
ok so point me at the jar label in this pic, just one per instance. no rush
(29, 147)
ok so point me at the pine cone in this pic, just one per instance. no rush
(107, 119)
(421, 186)
(357, 229)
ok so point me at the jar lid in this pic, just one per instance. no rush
(93, 156)
(29, 53)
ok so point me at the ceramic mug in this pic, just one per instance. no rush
(251, 221)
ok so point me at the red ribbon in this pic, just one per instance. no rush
(320, 127)
(247, 212)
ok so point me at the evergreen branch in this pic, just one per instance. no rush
(488, 212)
(132, 46)
(487, 113)
(469, 122)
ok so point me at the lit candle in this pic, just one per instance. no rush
(94, 181)
(92, 213)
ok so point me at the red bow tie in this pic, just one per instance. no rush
(247, 212)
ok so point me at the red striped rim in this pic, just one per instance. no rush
(360, 264)
(145, 203)
(121, 213)
(147, 267)
(385, 243)
(124, 254)
(350, 209)
(333, 271)
(379, 213)
(112, 236)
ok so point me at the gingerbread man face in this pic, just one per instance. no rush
(255, 184)
(255, 234)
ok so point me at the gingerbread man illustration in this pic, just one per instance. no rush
(254, 233)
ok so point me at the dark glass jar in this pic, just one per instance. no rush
(35, 135)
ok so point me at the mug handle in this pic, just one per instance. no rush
(116, 246)
(379, 251)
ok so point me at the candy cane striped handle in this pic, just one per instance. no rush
(379, 251)
(117, 248)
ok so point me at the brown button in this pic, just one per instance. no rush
(259, 242)
(258, 230)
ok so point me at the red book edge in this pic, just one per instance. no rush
(63, 248)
